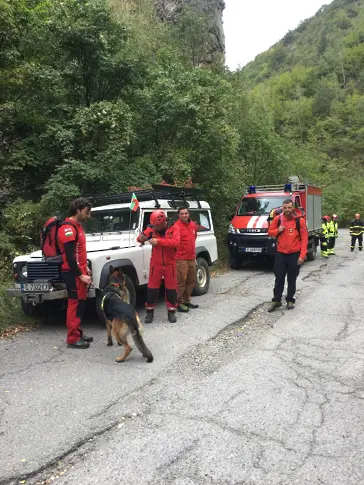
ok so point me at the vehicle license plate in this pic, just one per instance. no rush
(38, 287)
(253, 250)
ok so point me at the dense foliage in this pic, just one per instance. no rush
(96, 96)
(312, 85)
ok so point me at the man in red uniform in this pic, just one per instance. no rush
(186, 260)
(165, 240)
(292, 236)
(75, 272)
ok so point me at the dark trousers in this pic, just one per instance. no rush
(331, 243)
(285, 264)
(77, 293)
(157, 273)
(360, 241)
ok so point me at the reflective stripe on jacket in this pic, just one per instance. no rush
(356, 227)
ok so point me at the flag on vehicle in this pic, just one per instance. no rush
(134, 204)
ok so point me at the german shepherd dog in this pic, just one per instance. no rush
(121, 318)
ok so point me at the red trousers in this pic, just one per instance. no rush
(169, 273)
(77, 292)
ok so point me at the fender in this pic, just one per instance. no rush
(126, 265)
(202, 249)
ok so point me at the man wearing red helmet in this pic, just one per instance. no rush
(325, 236)
(356, 232)
(163, 263)
(333, 234)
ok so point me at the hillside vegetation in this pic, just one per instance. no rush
(311, 84)
(98, 96)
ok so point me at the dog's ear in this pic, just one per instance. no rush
(121, 273)
(111, 270)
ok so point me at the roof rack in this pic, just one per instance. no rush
(279, 188)
(177, 196)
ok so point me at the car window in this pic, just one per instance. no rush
(202, 220)
(172, 216)
(117, 220)
(146, 220)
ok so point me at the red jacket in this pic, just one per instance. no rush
(67, 233)
(166, 249)
(290, 240)
(187, 244)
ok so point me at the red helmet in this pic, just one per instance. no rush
(325, 218)
(157, 217)
(357, 215)
(335, 217)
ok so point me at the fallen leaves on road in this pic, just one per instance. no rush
(10, 332)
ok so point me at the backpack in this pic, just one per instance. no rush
(48, 238)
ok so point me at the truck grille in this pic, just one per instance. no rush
(42, 270)
(252, 242)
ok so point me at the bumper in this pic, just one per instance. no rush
(39, 297)
(239, 245)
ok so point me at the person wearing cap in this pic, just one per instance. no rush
(325, 236)
(165, 240)
(356, 232)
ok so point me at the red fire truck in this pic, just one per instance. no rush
(248, 231)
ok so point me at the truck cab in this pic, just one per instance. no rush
(248, 230)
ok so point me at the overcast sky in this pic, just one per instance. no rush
(252, 27)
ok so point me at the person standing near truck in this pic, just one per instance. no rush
(335, 219)
(165, 240)
(75, 272)
(331, 236)
(186, 260)
(292, 238)
(324, 236)
(356, 232)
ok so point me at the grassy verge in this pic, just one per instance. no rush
(12, 319)
(222, 264)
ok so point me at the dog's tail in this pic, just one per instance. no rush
(135, 329)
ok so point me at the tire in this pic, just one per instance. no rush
(312, 255)
(202, 278)
(235, 261)
(132, 299)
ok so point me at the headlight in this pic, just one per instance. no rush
(24, 271)
(232, 229)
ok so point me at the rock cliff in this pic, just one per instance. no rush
(169, 10)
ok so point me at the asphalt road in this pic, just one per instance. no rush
(235, 395)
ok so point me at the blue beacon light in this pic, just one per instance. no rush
(288, 188)
(252, 189)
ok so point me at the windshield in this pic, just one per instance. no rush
(117, 220)
(258, 206)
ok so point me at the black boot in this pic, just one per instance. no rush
(172, 317)
(87, 338)
(81, 344)
(149, 316)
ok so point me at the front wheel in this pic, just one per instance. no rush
(311, 256)
(202, 278)
(131, 298)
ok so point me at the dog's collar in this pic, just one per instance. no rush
(107, 294)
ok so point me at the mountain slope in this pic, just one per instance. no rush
(311, 85)
(321, 41)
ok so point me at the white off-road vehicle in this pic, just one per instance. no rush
(111, 241)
